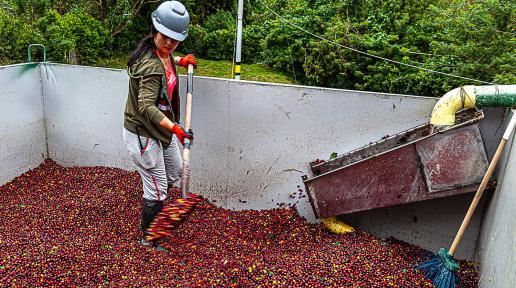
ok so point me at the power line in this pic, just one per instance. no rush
(422, 53)
(508, 32)
(369, 54)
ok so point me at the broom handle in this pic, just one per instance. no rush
(483, 184)
(188, 117)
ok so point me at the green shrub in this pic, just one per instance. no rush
(74, 30)
(19, 35)
(90, 36)
(252, 37)
(222, 20)
(219, 44)
(195, 41)
(214, 39)
(461, 37)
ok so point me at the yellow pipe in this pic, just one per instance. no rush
(456, 99)
(336, 226)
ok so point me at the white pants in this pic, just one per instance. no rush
(158, 167)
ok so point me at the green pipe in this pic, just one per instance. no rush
(497, 95)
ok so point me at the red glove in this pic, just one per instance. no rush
(181, 133)
(187, 60)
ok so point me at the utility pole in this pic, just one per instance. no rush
(238, 56)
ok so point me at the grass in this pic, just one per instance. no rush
(218, 68)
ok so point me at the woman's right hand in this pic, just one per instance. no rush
(181, 133)
(187, 60)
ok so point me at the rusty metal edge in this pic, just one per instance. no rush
(311, 197)
(491, 186)
(466, 123)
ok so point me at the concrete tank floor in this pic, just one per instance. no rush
(80, 227)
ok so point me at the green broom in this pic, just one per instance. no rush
(442, 268)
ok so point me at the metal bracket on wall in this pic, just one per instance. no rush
(29, 52)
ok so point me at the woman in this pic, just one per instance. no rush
(151, 117)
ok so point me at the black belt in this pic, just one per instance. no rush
(139, 141)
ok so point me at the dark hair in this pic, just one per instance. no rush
(145, 44)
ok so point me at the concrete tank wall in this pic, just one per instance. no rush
(497, 244)
(253, 142)
(22, 133)
(85, 108)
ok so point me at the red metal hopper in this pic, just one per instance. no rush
(413, 165)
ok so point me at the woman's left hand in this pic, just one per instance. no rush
(181, 133)
(187, 60)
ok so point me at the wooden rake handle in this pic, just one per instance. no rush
(483, 184)
(185, 181)
(189, 91)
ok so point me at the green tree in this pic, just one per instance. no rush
(76, 32)
(470, 38)
(19, 34)
(466, 38)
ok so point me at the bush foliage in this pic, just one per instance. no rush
(473, 39)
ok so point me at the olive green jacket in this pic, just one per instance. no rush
(147, 85)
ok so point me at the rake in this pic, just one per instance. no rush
(174, 213)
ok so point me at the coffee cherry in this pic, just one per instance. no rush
(79, 227)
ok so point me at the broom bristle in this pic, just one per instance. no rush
(441, 270)
(170, 217)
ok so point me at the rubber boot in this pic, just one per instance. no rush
(150, 209)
